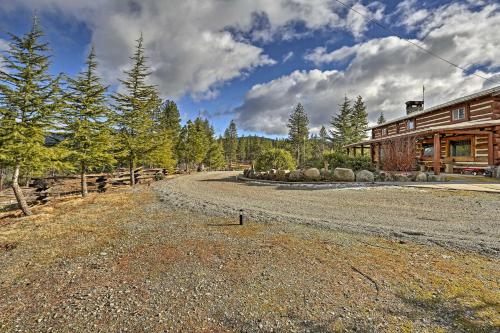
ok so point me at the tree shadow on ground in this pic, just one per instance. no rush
(450, 313)
(230, 179)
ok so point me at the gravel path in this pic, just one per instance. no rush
(458, 219)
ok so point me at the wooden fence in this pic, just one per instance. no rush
(43, 190)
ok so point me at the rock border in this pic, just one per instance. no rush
(340, 175)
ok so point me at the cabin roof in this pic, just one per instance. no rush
(495, 91)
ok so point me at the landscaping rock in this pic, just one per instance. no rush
(421, 177)
(365, 176)
(385, 176)
(343, 175)
(296, 176)
(401, 178)
(312, 174)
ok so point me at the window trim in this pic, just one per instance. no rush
(472, 139)
(412, 120)
(384, 131)
(458, 109)
(422, 156)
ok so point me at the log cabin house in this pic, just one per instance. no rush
(462, 133)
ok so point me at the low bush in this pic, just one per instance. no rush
(342, 160)
(278, 159)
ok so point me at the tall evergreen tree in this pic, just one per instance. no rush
(87, 131)
(231, 143)
(27, 105)
(341, 132)
(298, 133)
(359, 120)
(197, 142)
(134, 111)
(323, 140)
(215, 155)
(381, 119)
(169, 118)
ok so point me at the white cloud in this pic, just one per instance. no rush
(187, 41)
(4, 45)
(358, 18)
(288, 56)
(386, 72)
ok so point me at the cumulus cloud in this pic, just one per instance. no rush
(385, 71)
(194, 46)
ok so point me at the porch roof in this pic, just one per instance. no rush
(430, 130)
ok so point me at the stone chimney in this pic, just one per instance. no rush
(414, 106)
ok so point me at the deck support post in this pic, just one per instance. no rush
(362, 150)
(437, 154)
(379, 153)
(491, 158)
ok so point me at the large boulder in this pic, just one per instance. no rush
(251, 174)
(421, 177)
(399, 177)
(365, 176)
(296, 176)
(344, 175)
(312, 174)
(385, 176)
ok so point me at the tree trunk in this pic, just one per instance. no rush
(21, 200)
(84, 180)
(132, 175)
(1, 179)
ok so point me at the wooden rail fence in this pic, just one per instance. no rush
(42, 190)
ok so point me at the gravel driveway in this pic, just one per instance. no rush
(456, 219)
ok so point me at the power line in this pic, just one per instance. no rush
(413, 43)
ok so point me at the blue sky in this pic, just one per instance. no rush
(252, 61)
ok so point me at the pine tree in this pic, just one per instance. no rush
(134, 112)
(231, 143)
(196, 142)
(298, 133)
(169, 118)
(323, 140)
(27, 105)
(216, 158)
(341, 132)
(87, 130)
(381, 119)
(359, 121)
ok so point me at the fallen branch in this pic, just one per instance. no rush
(367, 277)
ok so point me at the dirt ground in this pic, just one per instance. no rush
(459, 219)
(134, 262)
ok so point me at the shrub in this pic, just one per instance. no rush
(342, 160)
(278, 159)
(399, 154)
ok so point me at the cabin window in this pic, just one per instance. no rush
(384, 131)
(411, 124)
(428, 150)
(460, 148)
(458, 114)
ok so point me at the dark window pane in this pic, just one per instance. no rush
(428, 151)
(460, 148)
